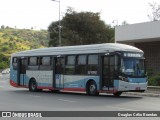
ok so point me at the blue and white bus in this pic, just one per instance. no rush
(110, 67)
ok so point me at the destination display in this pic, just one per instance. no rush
(128, 54)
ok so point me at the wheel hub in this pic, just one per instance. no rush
(92, 88)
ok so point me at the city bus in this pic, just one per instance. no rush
(99, 68)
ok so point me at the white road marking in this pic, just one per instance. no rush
(66, 100)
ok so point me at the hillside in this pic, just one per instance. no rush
(14, 40)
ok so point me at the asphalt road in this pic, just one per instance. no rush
(18, 99)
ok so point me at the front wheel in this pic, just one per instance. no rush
(117, 94)
(92, 89)
(33, 85)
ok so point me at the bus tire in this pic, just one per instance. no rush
(33, 85)
(117, 94)
(92, 88)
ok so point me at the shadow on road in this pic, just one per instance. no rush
(73, 94)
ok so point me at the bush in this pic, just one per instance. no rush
(154, 80)
(150, 72)
(3, 58)
(3, 65)
(4, 48)
(4, 61)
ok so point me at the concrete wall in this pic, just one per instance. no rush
(152, 55)
(138, 32)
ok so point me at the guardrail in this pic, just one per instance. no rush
(153, 89)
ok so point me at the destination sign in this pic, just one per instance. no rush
(132, 54)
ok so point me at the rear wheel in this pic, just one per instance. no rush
(117, 94)
(33, 85)
(92, 88)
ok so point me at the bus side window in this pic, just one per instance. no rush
(70, 65)
(92, 65)
(14, 63)
(81, 67)
(33, 63)
(45, 63)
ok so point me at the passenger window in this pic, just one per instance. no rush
(81, 67)
(92, 65)
(81, 59)
(33, 63)
(15, 63)
(93, 59)
(45, 63)
(70, 65)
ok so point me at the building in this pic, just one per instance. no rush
(145, 36)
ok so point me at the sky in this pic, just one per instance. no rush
(40, 13)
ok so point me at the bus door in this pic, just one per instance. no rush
(58, 72)
(108, 65)
(21, 76)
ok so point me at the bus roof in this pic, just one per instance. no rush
(79, 49)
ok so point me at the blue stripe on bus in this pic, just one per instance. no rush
(75, 84)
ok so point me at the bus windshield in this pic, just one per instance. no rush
(133, 67)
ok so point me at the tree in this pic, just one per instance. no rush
(2, 27)
(81, 28)
(154, 13)
(53, 34)
(4, 61)
(4, 48)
